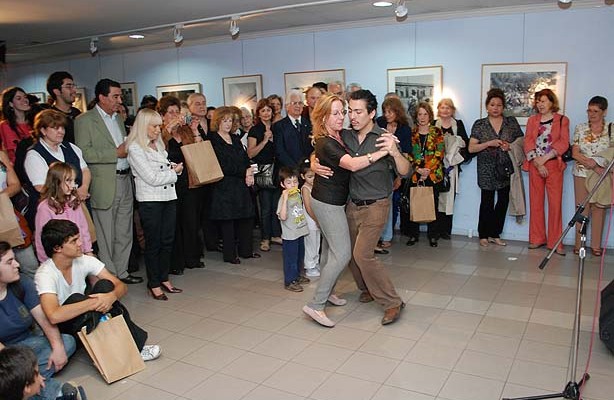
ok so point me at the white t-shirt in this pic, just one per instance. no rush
(49, 278)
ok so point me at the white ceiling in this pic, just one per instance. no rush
(31, 28)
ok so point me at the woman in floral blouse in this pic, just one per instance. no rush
(488, 136)
(590, 138)
(427, 156)
(547, 138)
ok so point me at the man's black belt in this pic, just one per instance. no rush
(361, 203)
(122, 171)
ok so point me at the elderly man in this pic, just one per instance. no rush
(291, 134)
(197, 103)
(312, 94)
(100, 134)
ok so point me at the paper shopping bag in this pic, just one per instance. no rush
(201, 162)
(9, 226)
(421, 204)
(112, 349)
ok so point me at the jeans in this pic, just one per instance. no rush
(388, 230)
(158, 219)
(294, 253)
(336, 249)
(269, 221)
(41, 347)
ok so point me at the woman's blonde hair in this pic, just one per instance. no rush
(320, 114)
(448, 102)
(138, 132)
(53, 191)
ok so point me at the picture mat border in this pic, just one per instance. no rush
(230, 80)
(435, 70)
(178, 87)
(318, 76)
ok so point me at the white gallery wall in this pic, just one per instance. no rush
(581, 37)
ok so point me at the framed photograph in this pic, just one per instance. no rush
(129, 97)
(181, 91)
(520, 82)
(42, 96)
(414, 85)
(303, 80)
(242, 91)
(80, 100)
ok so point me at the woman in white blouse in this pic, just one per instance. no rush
(154, 178)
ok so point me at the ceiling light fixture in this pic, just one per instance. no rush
(93, 46)
(401, 10)
(382, 4)
(234, 27)
(136, 36)
(565, 1)
(177, 34)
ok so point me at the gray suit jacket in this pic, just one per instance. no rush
(100, 153)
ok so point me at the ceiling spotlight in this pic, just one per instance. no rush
(93, 46)
(401, 10)
(382, 4)
(177, 34)
(234, 27)
(136, 36)
(565, 1)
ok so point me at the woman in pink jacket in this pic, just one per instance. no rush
(546, 139)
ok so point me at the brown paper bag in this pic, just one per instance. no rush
(201, 163)
(421, 204)
(9, 227)
(112, 349)
(90, 224)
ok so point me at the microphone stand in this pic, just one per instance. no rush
(572, 388)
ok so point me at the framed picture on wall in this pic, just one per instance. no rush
(181, 91)
(130, 97)
(414, 85)
(42, 96)
(520, 82)
(303, 80)
(242, 91)
(80, 100)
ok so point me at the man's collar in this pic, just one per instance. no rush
(104, 113)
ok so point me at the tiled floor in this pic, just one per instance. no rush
(480, 324)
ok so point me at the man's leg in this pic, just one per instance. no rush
(122, 241)
(354, 226)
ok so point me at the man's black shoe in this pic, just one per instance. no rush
(198, 264)
(130, 279)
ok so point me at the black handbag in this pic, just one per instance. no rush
(504, 168)
(444, 185)
(264, 178)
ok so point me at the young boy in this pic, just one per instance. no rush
(20, 378)
(293, 229)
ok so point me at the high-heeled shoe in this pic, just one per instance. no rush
(160, 296)
(170, 289)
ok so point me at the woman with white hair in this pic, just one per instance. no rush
(154, 177)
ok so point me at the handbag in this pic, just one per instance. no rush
(421, 204)
(444, 185)
(10, 230)
(504, 168)
(202, 164)
(112, 349)
(264, 177)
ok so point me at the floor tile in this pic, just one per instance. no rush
(213, 356)
(387, 346)
(418, 378)
(179, 378)
(494, 344)
(298, 379)
(253, 367)
(342, 387)
(440, 356)
(269, 321)
(348, 338)
(368, 367)
(220, 387)
(467, 387)
(484, 365)
(267, 393)
(280, 346)
(536, 375)
(323, 356)
(393, 393)
(243, 337)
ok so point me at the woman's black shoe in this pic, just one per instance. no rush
(445, 236)
(433, 242)
(198, 264)
(253, 255)
(175, 272)
(412, 241)
(235, 261)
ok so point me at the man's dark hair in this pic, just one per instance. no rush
(149, 101)
(55, 233)
(287, 172)
(321, 85)
(367, 96)
(103, 87)
(17, 370)
(55, 81)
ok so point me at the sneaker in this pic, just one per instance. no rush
(318, 316)
(336, 301)
(277, 240)
(150, 352)
(70, 391)
(303, 280)
(294, 287)
(312, 272)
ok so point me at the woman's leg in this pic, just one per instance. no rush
(597, 219)
(266, 209)
(243, 229)
(167, 237)
(580, 194)
(485, 221)
(334, 229)
(503, 199)
(554, 189)
(151, 219)
(537, 220)
(228, 239)
(434, 227)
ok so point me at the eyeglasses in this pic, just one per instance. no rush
(69, 86)
(296, 103)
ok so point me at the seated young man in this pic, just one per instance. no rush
(61, 285)
(20, 378)
(19, 308)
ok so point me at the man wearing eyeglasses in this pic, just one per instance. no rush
(291, 134)
(63, 91)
